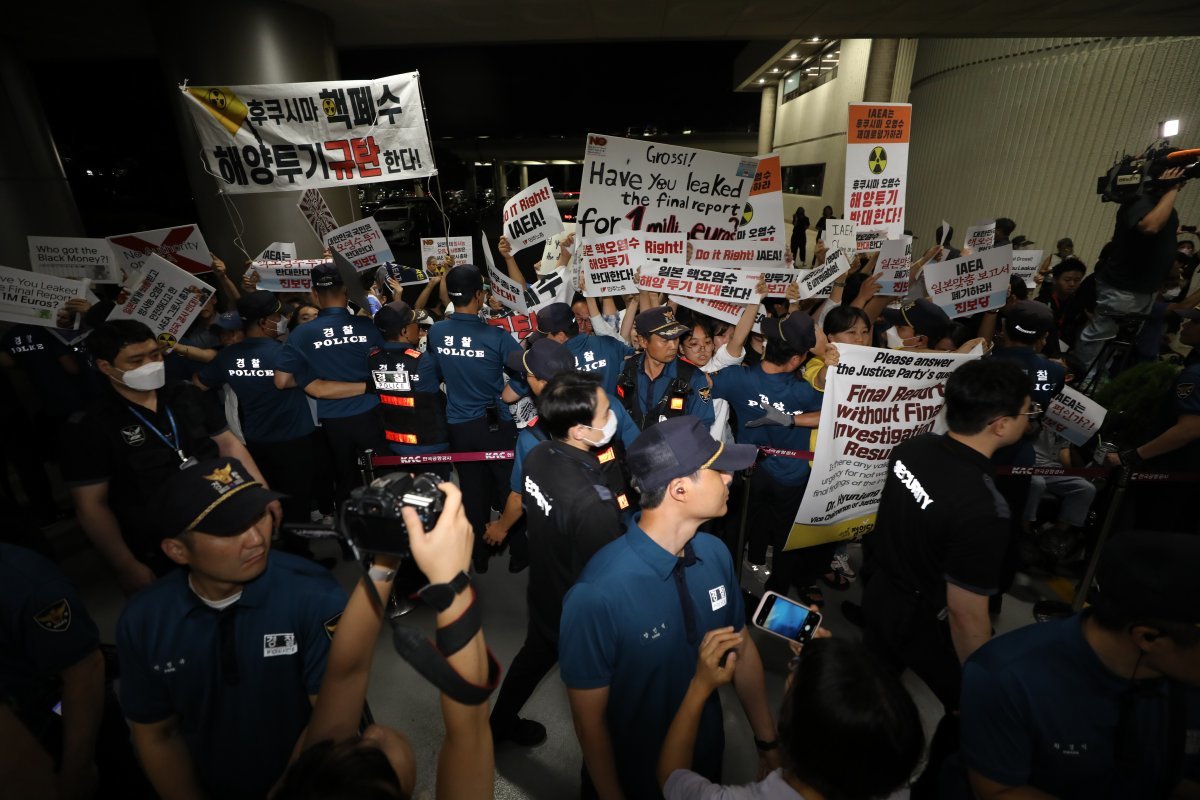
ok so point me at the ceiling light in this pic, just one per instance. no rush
(774, 69)
(687, 133)
(793, 55)
(1168, 129)
(762, 80)
(816, 38)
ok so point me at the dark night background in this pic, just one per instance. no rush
(500, 91)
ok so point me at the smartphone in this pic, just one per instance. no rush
(786, 618)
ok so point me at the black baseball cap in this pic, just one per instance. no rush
(258, 304)
(463, 281)
(395, 317)
(228, 321)
(677, 447)
(544, 359)
(1151, 574)
(218, 497)
(796, 330)
(924, 316)
(1021, 241)
(1029, 318)
(326, 276)
(555, 318)
(659, 321)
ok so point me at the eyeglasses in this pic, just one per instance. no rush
(1034, 410)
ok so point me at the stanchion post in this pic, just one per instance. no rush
(1110, 520)
(740, 553)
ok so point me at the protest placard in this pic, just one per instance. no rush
(945, 229)
(688, 280)
(510, 293)
(762, 219)
(722, 310)
(557, 286)
(278, 251)
(877, 139)
(1025, 264)
(1074, 416)
(840, 235)
(894, 266)
(73, 257)
(670, 248)
(295, 136)
(818, 282)
(610, 263)
(553, 247)
(461, 250)
(183, 246)
(970, 284)
(285, 276)
(633, 184)
(531, 216)
(317, 213)
(752, 255)
(981, 236)
(34, 299)
(869, 240)
(163, 297)
(874, 400)
(361, 243)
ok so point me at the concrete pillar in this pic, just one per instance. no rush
(501, 181)
(881, 70)
(524, 176)
(766, 118)
(271, 42)
(34, 193)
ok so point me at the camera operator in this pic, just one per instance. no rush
(1140, 255)
(335, 761)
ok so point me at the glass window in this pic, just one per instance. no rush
(804, 179)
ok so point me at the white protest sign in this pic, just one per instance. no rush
(1074, 416)
(877, 139)
(553, 247)
(688, 280)
(75, 258)
(981, 236)
(278, 251)
(461, 250)
(945, 229)
(868, 240)
(970, 284)
(841, 235)
(722, 310)
(361, 243)
(317, 213)
(551, 287)
(894, 266)
(183, 246)
(33, 299)
(818, 282)
(285, 276)
(164, 297)
(748, 254)
(1025, 264)
(610, 263)
(531, 216)
(634, 184)
(505, 289)
(294, 136)
(874, 400)
(762, 219)
(671, 248)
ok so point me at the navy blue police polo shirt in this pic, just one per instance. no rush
(602, 355)
(425, 379)
(239, 728)
(268, 414)
(469, 355)
(333, 347)
(1046, 378)
(650, 392)
(744, 388)
(623, 627)
(40, 354)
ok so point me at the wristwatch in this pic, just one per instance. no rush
(440, 596)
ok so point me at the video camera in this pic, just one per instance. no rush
(1132, 176)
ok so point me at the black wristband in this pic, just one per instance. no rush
(766, 747)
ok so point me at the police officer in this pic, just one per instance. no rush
(118, 453)
(572, 511)
(469, 356)
(544, 360)
(334, 347)
(277, 423)
(604, 354)
(655, 385)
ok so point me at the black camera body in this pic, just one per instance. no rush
(372, 516)
(1132, 176)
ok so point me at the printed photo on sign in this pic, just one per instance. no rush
(163, 297)
(877, 140)
(434, 252)
(633, 184)
(297, 136)
(970, 284)
(183, 246)
(317, 213)
(361, 243)
(33, 299)
(75, 258)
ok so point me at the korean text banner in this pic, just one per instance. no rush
(712, 283)
(874, 400)
(531, 216)
(164, 297)
(610, 263)
(894, 266)
(285, 276)
(183, 246)
(75, 258)
(33, 299)
(970, 284)
(877, 138)
(361, 243)
(633, 184)
(1074, 416)
(296, 136)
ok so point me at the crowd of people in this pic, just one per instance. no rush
(649, 464)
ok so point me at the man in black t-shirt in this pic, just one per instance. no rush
(941, 532)
(117, 454)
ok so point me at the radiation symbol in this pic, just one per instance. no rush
(747, 214)
(167, 340)
(877, 161)
(329, 106)
(216, 99)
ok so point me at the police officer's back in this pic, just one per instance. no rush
(604, 355)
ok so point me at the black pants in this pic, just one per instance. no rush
(348, 437)
(484, 483)
(773, 508)
(799, 245)
(536, 658)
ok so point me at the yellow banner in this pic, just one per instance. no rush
(811, 535)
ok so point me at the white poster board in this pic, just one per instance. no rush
(76, 258)
(33, 299)
(164, 297)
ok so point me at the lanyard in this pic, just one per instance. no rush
(173, 442)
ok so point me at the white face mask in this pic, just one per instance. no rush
(606, 433)
(147, 377)
(281, 327)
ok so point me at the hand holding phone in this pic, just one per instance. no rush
(718, 657)
(787, 619)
